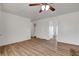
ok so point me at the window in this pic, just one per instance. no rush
(51, 30)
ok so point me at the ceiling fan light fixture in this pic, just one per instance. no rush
(47, 7)
(43, 7)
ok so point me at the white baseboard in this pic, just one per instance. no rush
(69, 42)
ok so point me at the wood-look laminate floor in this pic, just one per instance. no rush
(37, 47)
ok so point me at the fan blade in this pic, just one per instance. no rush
(40, 11)
(36, 4)
(51, 8)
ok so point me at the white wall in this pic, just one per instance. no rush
(14, 29)
(32, 29)
(43, 28)
(0, 20)
(68, 28)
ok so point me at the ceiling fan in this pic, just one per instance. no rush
(44, 6)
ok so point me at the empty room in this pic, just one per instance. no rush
(39, 29)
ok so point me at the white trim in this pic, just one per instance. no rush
(69, 42)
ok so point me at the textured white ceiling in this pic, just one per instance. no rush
(22, 9)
